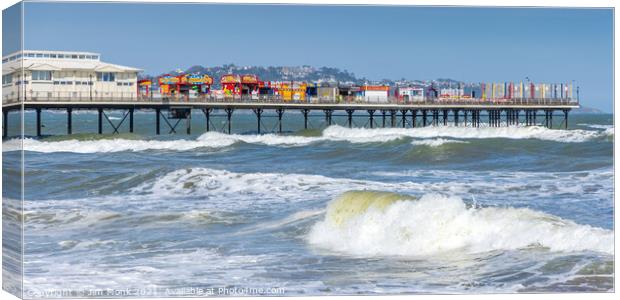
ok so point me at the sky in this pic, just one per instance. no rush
(472, 44)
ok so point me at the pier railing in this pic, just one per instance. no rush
(279, 99)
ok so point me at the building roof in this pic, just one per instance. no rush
(69, 63)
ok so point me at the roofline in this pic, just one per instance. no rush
(51, 51)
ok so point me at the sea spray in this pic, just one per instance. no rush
(437, 224)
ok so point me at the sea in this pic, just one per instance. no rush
(328, 210)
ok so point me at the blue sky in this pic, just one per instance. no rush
(470, 44)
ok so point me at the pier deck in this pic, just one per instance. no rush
(430, 112)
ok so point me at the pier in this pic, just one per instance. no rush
(172, 113)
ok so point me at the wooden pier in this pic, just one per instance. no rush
(393, 113)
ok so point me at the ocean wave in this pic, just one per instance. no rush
(366, 224)
(515, 132)
(436, 142)
(333, 133)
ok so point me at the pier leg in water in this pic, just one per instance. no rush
(38, 122)
(371, 118)
(517, 117)
(491, 118)
(305, 112)
(393, 117)
(229, 112)
(414, 116)
(5, 122)
(566, 119)
(157, 115)
(100, 120)
(445, 117)
(280, 112)
(456, 117)
(207, 112)
(69, 120)
(131, 120)
(350, 117)
(465, 118)
(383, 117)
(258, 112)
(328, 116)
(424, 115)
(404, 116)
(435, 117)
(188, 121)
(550, 119)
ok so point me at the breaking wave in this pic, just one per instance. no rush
(383, 224)
(332, 133)
(436, 142)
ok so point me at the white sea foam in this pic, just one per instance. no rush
(521, 132)
(437, 224)
(332, 133)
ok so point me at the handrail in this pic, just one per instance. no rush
(311, 100)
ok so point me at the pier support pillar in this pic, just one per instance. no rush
(383, 117)
(393, 117)
(131, 120)
(229, 112)
(5, 122)
(157, 117)
(371, 117)
(465, 118)
(100, 120)
(305, 112)
(424, 115)
(188, 121)
(456, 117)
(565, 118)
(445, 117)
(404, 117)
(38, 122)
(435, 117)
(414, 116)
(207, 112)
(550, 119)
(280, 112)
(517, 117)
(350, 117)
(328, 116)
(69, 120)
(258, 112)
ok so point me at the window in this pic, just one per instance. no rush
(74, 56)
(95, 57)
(105, 76)
(82, 56)
(12, 58)
(41, 75)
(52, 55)
(46, 55)
(39, 54)
(6, 79)
(61, 56)
(5, 60)
(30, 55)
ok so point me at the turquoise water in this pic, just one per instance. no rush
(517, 209)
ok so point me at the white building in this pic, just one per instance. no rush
(64, 75)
